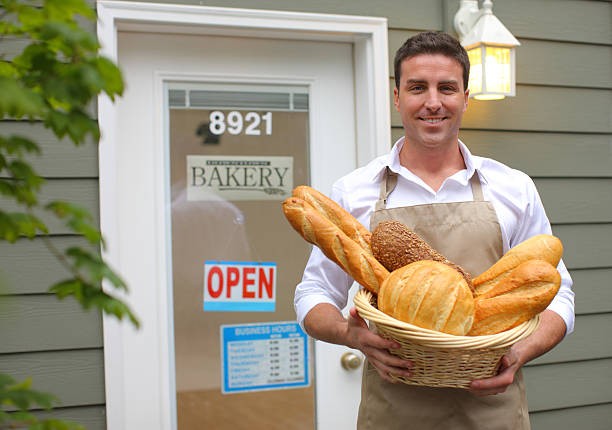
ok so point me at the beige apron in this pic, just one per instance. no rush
(467, 233)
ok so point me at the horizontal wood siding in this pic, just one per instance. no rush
(596, 417)
(61, 159)
(56, 343)
(23, 263)
(82, 192)
(76, 377)
(41, 323)
(91, 417)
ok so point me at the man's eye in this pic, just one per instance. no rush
(447, 88)
(417, 88)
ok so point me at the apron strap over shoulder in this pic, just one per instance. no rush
(388, 183)
(476, 187)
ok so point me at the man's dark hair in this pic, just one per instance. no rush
(432, 42)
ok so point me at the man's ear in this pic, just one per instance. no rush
(396, 98)
(467, 97)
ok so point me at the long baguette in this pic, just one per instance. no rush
(335, 244)
(541, 247)
(524, 293)
(336, 214)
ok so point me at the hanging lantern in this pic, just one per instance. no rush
(491, 50)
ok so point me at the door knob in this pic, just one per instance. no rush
(350, 361)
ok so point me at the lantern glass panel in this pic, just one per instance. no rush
(475, 82)
(498, 69)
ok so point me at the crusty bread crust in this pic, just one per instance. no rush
(336, 214)
(541, 247)
(317, 229)
(522, 294)
(429, 294)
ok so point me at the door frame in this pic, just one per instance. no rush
(368, 36)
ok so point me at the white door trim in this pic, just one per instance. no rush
(369, 37)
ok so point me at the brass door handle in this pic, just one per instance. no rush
(350, 361)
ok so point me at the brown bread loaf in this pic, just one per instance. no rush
(336, 214)
(522, 294)
(335, 244)
(429, 294)
(541, 247)
(395, 245)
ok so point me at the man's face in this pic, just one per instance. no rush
(431, 99)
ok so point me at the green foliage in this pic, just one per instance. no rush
(54, 81)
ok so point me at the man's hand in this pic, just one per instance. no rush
(375, 348)
(325, 322)
(498, 384)
(548, 334)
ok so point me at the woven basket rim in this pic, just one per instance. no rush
(363, 303)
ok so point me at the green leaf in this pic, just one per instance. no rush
(111, 75)
(76, 124)
(67, 8)
(22, 417)
(68, 37)
(18, 145)
(15, 225)
(91, 295)
(77, 219)
(17, 101)
(7, 69)
(24, 398)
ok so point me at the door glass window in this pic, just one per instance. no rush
(235, 153)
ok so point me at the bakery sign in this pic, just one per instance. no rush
(239, 177)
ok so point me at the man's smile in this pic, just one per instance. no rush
(433, 120)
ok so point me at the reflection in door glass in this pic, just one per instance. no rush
(236, 152)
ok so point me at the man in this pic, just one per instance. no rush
(470, 209)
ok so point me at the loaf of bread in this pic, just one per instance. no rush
(541, 247)
(336, 214)
(429, 294)
(395, 245)
(522, 294)
(335, 244)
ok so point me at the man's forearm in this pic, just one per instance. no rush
(548, 334)
(325, 322)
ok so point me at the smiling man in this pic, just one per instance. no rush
(470, 209)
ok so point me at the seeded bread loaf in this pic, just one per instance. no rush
(395, 245)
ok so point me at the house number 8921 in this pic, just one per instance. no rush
(235, 123)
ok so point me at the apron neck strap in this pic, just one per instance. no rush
(476, 187)
(389, 181)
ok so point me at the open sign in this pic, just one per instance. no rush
(239, 286)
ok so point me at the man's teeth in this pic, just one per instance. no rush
(433, 121)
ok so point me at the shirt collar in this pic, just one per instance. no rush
(391, 160)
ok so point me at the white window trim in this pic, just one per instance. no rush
(369, 38)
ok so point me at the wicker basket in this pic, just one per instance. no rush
(440, 359)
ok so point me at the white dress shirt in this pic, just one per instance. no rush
(512, 193)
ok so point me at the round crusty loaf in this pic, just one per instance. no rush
(428, 294)
(395, 245)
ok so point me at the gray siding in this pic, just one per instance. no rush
(558, 130)
(55, 342)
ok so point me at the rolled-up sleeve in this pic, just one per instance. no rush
(323, 282)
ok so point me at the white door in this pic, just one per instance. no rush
(223, 97)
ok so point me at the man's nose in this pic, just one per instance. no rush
(432, 101)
